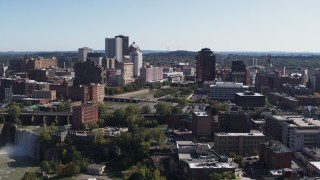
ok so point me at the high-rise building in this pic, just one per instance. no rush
(83, 53)
(117, 47)
(206, 65)
(125, 44)
(239, 72)
(136, 58)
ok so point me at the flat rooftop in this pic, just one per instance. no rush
(208, 163)
(277, 147)
(201, 113)
(239, 134)
(245, 94)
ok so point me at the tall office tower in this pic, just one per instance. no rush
(136, 58)
(206, 65)
(117, 47)
(239, 72)
(82, 54)
(125, 44)
(110, 48)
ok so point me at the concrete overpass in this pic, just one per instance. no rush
(121, 99)
(41, 118)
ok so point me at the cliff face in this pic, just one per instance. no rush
(7, 132)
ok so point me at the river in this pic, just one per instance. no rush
(16, 159)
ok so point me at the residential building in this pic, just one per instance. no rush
(44, 94)
(84, 114)
(201, 124)
(275, 155)
(83, 54)
(239, 143)
(249, 99)
(37, 63)
(226, 90)
(126, 70)
(41, 75)
(89, 72)
(151, 74)
(205, 65)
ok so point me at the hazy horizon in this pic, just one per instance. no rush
(222, 26)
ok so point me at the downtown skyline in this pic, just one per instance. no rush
(220, 25)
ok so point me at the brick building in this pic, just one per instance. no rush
(234, 121)
(88, 72)
(275, 155)
(205, 65)
(84, 93)
(44, 94)
(239, 143)
(37, 63)
(201, 124)
(84, 114)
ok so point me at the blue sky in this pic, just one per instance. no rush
(225, 25)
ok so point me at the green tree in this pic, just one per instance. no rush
(228, 175)
(145, 109)
(45, 166)
(71, 169)
(215, 176)
(27, 103)
(132, 110)
(232, 155)
(67, 106)
(100, 136)
(14, 113)
(92, 126)
(182, 102)
(102, 110)
(239, 160)
(45, 137)
(29, 176)
(2, 118)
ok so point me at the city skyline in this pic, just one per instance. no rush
(219, 25)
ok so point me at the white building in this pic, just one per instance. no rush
(301, 138)
(82, 53)
(226, 90)
(136, 58)
(173, 77)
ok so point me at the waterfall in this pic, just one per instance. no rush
(26, 143)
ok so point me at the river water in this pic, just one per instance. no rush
(17, 159)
